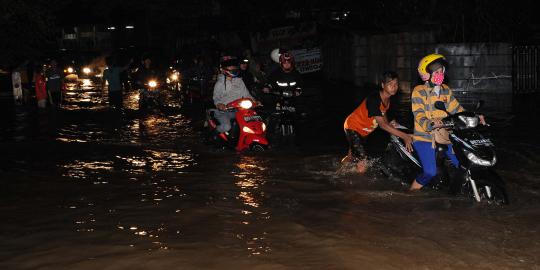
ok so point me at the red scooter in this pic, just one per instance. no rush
(247, 129)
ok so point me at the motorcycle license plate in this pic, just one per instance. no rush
(252, 118)
(287, 108)
(482, 142)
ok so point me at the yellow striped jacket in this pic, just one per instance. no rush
(423, 100)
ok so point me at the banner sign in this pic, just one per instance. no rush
(307, 60)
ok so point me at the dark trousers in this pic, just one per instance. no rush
(115, 99)
(356, 144)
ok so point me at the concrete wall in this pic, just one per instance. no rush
(476, 70)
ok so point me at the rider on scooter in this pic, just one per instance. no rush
(145, 72)
(369, 115)
(229, 87)
(286, 74)
(427, 119)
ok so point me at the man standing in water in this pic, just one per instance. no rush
(112, 76)
(369, 115)
(54, 83)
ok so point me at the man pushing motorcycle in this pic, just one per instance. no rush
(369, 115)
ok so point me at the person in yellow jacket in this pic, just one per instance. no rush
(426, 118)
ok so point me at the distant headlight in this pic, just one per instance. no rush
(69, 70)
(152, 83)
(87, 70)
(469, 121)
(246, 104)
(174, 77)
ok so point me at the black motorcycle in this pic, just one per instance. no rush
(150, 94)
(282, 114)
(476, 176)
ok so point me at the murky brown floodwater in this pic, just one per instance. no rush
(89, 188)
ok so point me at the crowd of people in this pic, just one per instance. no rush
(243, 77)
(44, 81)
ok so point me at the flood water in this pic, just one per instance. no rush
(85, 187)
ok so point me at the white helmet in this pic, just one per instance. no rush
(275, 55)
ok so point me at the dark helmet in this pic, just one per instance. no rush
(286, 57)
(229, 66)
(228, 61)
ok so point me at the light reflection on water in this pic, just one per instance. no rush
(142, 185)
(136, 186)
(251, 179)
(80, 169)
(151, 161)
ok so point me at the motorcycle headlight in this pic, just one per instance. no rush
(87, 70)
(246, 104)
(174, 77)
(152, 84)
(480, 161)
(248, 130)
(469, 121)
(69, 70)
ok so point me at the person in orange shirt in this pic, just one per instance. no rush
(368, 116)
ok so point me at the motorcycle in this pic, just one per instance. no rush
(150, 94)
(173, 80)
(476, 177)
(247, 129)
(281, 119)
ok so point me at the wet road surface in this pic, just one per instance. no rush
(86, 187)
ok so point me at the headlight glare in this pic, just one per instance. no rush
(246, 104)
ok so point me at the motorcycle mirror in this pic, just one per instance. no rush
(439, 105)
(479, 104)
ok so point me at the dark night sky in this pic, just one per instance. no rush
(28, 26)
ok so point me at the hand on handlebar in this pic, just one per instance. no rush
(482, 120)
(437, 123)
(408, 140)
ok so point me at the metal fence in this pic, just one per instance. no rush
(525, 69)
(526, 79)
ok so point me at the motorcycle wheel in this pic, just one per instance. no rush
(492, 191)
(497, 194)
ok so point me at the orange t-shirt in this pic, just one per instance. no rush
(362, 120)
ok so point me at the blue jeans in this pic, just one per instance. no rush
(224, 118)
(427, 156)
